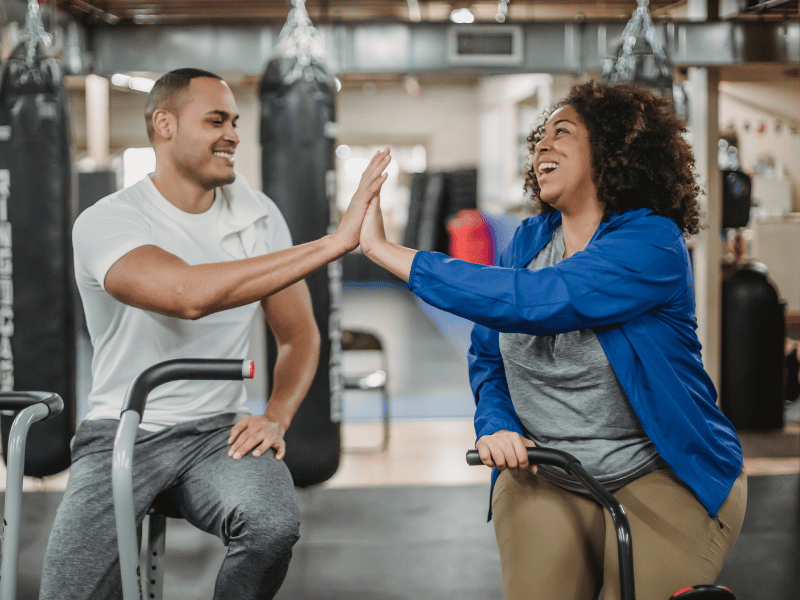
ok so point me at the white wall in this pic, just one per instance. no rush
(443, 117)
(755, 111)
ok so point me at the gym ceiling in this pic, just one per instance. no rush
(230, 12)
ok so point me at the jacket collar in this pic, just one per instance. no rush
(541, 229)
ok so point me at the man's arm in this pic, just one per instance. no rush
(152, 279)
(290, 316)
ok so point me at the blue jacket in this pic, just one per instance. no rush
(633, 285)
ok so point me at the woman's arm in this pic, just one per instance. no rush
(501, 442)
(615, 279)
(630, 270)
(395, 259)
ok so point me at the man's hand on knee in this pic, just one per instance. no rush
(256, 433)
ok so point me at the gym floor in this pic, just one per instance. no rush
(410, 522)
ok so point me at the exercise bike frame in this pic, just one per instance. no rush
(32, 407)
(571, 465)
(122, 461)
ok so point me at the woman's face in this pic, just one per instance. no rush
(562, 162)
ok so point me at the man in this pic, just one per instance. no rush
(175, 266)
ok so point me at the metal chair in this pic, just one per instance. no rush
(376, 380)
(32, 407)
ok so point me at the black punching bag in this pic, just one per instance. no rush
(753, 332)
(36, 216)
(736, 188)
(297, 122)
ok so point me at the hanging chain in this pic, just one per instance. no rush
(33, 33)
(629, 63)
(300, 40)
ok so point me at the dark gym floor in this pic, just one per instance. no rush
(431, 542)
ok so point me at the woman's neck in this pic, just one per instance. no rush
(579, 227)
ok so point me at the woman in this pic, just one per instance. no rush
(584, 340)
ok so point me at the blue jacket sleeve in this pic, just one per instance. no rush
(619, 276)
(494, 409)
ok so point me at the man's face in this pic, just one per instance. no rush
(205, 138)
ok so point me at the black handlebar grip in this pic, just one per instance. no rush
(22, 400)
(183, 369)
(536, 456)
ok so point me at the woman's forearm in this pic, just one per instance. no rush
(395, 259)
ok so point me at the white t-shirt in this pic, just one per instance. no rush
(127, 340)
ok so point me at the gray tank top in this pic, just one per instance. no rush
(568, 398)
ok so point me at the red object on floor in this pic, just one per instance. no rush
(471, 237)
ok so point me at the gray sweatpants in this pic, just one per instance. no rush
(250, 504)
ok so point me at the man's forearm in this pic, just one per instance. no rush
(242, 282)
(295, 368)
(152, 279)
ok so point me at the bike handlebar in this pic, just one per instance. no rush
(22, 400)
(536, 456)
(183, 369)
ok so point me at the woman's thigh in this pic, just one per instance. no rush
(675, 542)
(550, 539)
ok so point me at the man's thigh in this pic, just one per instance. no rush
(217, 492)
(81, 560)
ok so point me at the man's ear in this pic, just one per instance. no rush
(164, 124)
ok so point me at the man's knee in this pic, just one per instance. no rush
(267, 529)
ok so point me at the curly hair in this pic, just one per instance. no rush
(639, 156)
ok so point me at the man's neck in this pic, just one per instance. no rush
(185, 195)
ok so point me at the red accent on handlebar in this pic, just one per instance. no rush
(252, 369)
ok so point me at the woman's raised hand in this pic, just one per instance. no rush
(372, 229)
(369, 187)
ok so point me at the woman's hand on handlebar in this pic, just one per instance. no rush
(505, 450)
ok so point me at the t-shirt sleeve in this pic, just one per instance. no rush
(102, 235)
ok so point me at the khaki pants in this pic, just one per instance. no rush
(556, 544)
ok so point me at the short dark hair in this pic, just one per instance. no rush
(168, 91)
(640, 158)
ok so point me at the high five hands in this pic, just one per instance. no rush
(366, 195)
(362, 222)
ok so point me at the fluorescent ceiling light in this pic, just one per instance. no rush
(462, 15)
(140, 84)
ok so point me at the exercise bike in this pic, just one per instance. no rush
(32, 407)
(571, 465)
(122, 469)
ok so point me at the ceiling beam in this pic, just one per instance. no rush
(567, 47)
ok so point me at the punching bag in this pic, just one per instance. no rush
(37, 343)
(736, 189)
(297, 143)
(753, 332)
